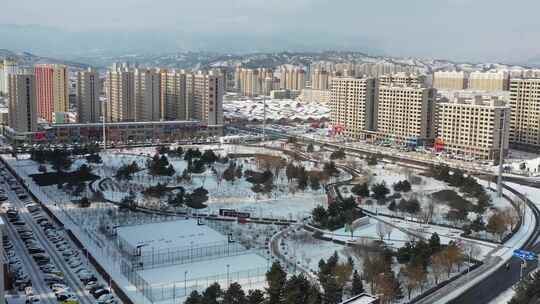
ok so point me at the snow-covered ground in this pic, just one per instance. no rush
(171, 234)
(276, 109)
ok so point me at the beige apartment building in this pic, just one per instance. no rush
(402, 79)
(352, 105)
(473, 127)
(405, 114)
(525, 115)
(205, 97)
(147, 95)
(292, 78)
(450, 80)
(254, 82)
(120, 91)
(88, 88)
(489, 81)
(173, 95)
(320, 79)
(22, 116)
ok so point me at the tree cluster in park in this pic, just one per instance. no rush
(195, 199)
(305, 178)
(466, 184)
(233, 172)
(378, 273)
(419, 252)
(339, 213)
(446, 260)
(361, 190)
(158, 190)
(159, 166)
(333, 276)
(263, 182)
(338, 154)
(296, 289)
(178, 152)
(198, 162)
(379, 191)
(126, 171)
(402, 186)
(410, 206)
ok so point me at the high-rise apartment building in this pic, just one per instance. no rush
(205, 97)
(525, 116)
(352, 105)
(402, 79)
(489, 81)
(473, 127)
(147, 95)
(254, 82)
(450, 80)
(406, 114)
(52, 89)
(319, 79)
(7, 67)
(22, 103)
(88, 91)
(173, 95)
(120, 94)
(292, 78)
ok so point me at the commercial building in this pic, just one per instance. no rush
(22, 103)
(450, 80)
(173, 95)
(525, 115)
(147, 95)
(285, 94)
(87, 97)
(473, 128)
(353, 105)
(489, 81)
(118, 133)
(52, 89)
(405, 115)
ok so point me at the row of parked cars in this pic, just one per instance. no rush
(72, 257)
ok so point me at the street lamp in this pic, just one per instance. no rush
(185, 282)
(228, 284)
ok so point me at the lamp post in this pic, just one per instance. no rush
(185, 282)
(228, 266)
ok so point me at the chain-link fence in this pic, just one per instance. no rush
(249, 279)
(174, 256)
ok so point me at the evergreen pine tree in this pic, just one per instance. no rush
(357, 286)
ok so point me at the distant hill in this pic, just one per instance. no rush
(28, 59)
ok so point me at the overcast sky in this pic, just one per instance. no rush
(505, 30)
